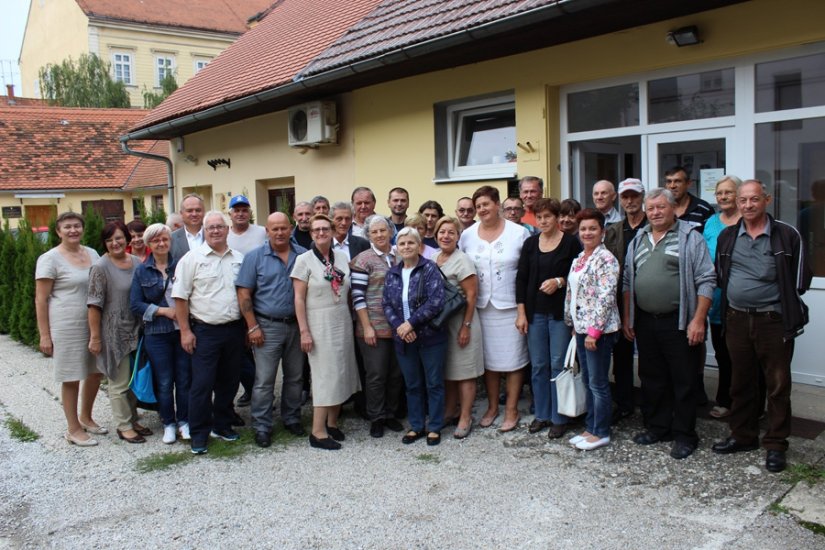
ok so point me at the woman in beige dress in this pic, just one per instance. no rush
(465, 359)
(62, 279)
(321, 282)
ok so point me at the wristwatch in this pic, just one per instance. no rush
(468, 325)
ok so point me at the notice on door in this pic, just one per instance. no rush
(707, 182)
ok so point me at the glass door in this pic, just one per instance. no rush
(702, 153)
(612, 159)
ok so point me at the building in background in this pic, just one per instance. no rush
(143, 41)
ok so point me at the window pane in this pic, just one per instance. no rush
(614, 107)
(487, 138)
(790, 161)
(790, 83)
(693, 96)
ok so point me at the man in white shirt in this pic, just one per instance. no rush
(211, 331)
(189, 236)
(243, 236)
(344, 239)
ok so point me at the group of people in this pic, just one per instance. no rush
(350, 300)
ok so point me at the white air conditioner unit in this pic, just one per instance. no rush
(313, 123)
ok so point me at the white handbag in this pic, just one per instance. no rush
(570, 390)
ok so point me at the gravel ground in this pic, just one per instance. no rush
(489, 491)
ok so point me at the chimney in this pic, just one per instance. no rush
(10, 90)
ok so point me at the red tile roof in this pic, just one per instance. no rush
(268, 56)
(62, 148)
(14, 100)
(399, 23)
(229, 16)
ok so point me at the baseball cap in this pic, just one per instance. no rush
(631, 184)
(239, 200)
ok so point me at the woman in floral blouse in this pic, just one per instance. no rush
(590, 308)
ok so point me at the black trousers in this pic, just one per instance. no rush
(623, 373)
(667, 369)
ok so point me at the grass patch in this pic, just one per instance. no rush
(162, 461)
(20, 431)
(815, 527)
(428, 458)
(804, 472)
(218, 449)
(776, 508)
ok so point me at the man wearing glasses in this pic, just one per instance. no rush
(465, 212)
(514, 210)
(211, 330)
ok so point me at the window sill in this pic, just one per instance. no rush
(480, 177)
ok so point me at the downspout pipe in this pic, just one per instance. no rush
(170, 181)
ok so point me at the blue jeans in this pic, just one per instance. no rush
(424, 365)
(547, 341)
(172, 368)
(595, 367)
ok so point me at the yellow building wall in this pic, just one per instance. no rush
(394, 126)
(146, 44)
(387, 130)
(56, 29)
(261, 159)
(73, 200)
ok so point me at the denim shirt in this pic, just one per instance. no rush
(148, 294)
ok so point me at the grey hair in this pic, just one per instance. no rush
(409, 232)
(661, 192)
(731, 178)
(759, 183)
(341, 205)
(173, 218)
(155, 230)
(371, 220)
(531, 178)
(212, 213)
(318, 198)
(302, 203)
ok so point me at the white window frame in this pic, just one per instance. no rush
(129, 62)
(169, 65)
(199, 63)
(450, 126)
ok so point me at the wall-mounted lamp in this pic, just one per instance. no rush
(214, 163)
(685, 36)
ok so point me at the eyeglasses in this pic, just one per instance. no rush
(216, 228)
(466, 210)
(321, 230)
(513, 209)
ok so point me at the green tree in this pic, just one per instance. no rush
(167, 86)
(92, 230)
(23, 319)
(84, 83)
(7, 278)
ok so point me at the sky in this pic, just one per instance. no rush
(12, 23)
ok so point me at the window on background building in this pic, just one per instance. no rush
(122, 67)
(611, 107)
(790, 161)
(157, 203)
(476, 138)
(200, 63)
(164, 66)
(692, 96)
(136, 204)
(790, 83)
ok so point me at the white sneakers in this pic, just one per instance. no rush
(183, 429)
(169, 434)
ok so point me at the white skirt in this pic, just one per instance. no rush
(505, 348)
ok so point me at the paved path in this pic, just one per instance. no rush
(489, 491)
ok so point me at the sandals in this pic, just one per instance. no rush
(97, 430)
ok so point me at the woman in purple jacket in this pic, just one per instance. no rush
(414, 294)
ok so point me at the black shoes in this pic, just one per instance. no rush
(393, 424)
(412, 436)
(295, 429)
(649, 438)
(730, 445)
(327, 443)
(681, 450)
(377, 428)
(226, 435)
(336, 434)
(263, 439)
(775, 461)
(556, 431)
(433, 438)
(538, 425)
(244, 400)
